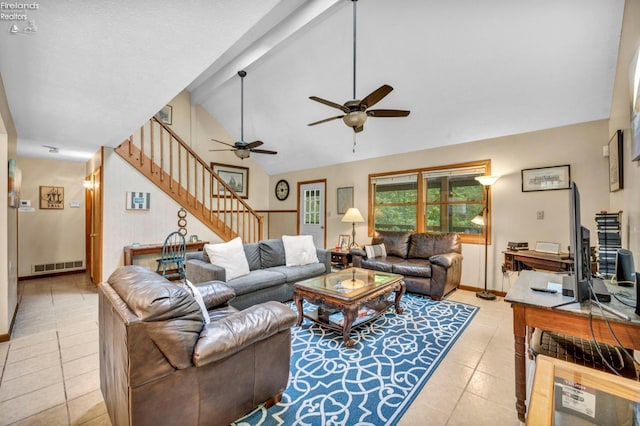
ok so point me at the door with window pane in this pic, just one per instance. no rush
(312, 211)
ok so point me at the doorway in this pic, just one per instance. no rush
(312, 211)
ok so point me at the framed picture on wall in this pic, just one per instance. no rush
(237, 177)
(52, 197)
(615, 162)
(345, 199)
(165, 114)
(546, 178)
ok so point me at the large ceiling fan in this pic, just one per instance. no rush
(241, 148)
(356, 111)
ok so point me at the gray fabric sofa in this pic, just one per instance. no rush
(161, 364)
(430, 262)
(268, 279)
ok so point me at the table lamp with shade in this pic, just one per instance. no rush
(354, 216)
(483, 219)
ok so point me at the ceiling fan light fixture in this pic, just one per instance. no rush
(242, 153)
(355, 118)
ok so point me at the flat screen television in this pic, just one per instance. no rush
(579, 240)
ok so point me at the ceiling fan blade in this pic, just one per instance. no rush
(263, 151)
(388, 113)
(329, 103)
(224, 143)
(254, 144)
(376, 96)
(224, 149)
(325, 120)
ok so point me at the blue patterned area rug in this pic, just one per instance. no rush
(374, 382)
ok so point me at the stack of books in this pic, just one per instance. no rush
(609, 242)
(364, 314)
(517, 246)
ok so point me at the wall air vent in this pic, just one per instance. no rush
(46, 268)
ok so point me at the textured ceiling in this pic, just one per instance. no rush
(467, 70)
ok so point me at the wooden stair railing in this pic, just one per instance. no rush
(164, 158)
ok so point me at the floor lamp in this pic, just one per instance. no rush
(483, 219)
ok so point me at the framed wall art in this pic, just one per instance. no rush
(237, 177)
(52, 197)
(345, 199)
(546, 178)
(615, 162)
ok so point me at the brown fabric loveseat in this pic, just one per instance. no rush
(161, 364)
(430, 262)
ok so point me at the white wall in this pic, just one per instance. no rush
(514, 212)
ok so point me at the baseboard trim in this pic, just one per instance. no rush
(6, 337)
(477, 289)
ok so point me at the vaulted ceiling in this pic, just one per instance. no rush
(467, 70)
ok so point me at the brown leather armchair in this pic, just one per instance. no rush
(161, 364)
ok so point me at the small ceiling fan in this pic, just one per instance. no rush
(356, 111)
(241, 148)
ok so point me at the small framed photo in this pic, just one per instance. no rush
(52, 197)
(165, 114)
(343, 241)
(615, 162)
(237, 177)
(345, 199)
(546, 178)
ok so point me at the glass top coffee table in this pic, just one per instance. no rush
(348, 298)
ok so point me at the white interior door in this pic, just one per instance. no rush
(312, 211)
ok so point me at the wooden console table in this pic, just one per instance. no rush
(521, 259)
(132, 251)
(533, 309)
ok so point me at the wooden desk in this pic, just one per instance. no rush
(537, 310)
(132, 251)
(523, 259)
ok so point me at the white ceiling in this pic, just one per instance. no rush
(467, 70)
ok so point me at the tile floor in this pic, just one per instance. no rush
(49, 370)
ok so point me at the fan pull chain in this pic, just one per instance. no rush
(354, 143)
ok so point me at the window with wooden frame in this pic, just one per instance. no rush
(436, 199)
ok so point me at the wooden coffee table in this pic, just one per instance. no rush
(348, 298)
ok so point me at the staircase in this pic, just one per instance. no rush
(164, 158)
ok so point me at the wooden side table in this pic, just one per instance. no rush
(340, 259)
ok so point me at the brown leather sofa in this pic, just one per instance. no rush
(430, 262)
(160, 364)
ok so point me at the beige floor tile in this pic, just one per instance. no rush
(78, 339)
(80, 366)
(81, 350)
(32, 340)
(4, 350)
(418, 415)
(492, 388)
(32, 351)
(476, 411)
(30, 382)
(32, 403)
(56, 416)
(20, 368)
(103, 420)
(82, 384)
(86, 408)
(440, 395)
(77, 328)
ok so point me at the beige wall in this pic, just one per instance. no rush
(627, 200)
(8, 221)
(51, 236)
(514, 212)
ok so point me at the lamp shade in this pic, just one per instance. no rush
(478, 220)
(487, 180)
(353, 215)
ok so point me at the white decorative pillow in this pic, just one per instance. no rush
(230, 256)
(375, 251)
(299, 250)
